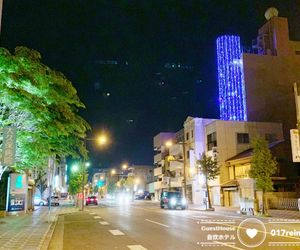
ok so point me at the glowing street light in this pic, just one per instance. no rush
(75, 168)
(137, 181)
(113, 172)
(168, 143)
(124, 166)
(102, 140)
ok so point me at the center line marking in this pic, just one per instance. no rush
(116, 232)
(157, 223)
(103, 222)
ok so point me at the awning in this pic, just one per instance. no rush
(231, 183)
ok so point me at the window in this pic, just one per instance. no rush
(211, 140)
(270, 137)
(188, 154)
(187, 136)
(242, 138)
(192, 133)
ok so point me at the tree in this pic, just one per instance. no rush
(75, 181)
(43, 105)
(41, 181)
(263, 166)
(210, 169)
(111, 187)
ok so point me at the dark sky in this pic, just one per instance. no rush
(156, 59)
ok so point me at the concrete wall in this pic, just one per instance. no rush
(269, 87)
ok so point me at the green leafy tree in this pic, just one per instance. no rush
(263, 166)
(43, 105)
(77, 180)
(111, 187)
(210, 169)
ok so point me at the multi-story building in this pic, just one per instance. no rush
(143, 174)
(161, 152)
(177, 167)
(229, 138)
(257, 84)
(270, 71)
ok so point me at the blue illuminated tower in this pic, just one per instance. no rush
(232, 97)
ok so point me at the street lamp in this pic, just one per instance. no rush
(124, 166)
(113, 172)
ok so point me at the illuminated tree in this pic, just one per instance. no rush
(43, 105)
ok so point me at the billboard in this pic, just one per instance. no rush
(16, 192)
(295, 145)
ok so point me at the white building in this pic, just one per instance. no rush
(217, 138)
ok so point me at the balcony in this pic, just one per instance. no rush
(176, 150)
(175, 165)
(157, 171)
(158, 158)
(176, 182)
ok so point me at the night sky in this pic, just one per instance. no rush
(140, 67)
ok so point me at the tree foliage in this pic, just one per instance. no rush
(43, 105)
(210, 169)
(75, 180)
(263, 165)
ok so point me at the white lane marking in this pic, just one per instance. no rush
(157, 223)
(92, 213)
(136, 247)
(116, 232)
(231, 216)
(103, 222)
(228, 245)
(97, 217)
(200, 216)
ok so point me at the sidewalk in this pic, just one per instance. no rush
(274, 213)
(29, 231)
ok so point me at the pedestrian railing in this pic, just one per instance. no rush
(283, 203)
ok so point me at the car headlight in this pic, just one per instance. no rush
(183, 201)
(173, 201)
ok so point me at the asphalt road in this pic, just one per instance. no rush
(143, 225)
(156, 228)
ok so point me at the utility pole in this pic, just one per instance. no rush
(184, 171)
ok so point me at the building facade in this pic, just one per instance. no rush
(256, 84)
(229, 138)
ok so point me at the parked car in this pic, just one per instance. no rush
(91, 200)
(38, 201)
(172, 200)
(54, 200)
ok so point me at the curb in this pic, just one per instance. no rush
(48, 235)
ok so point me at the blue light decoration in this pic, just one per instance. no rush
(232, 96)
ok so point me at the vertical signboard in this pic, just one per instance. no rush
(17, 190)
(295, 144)
(9, 146)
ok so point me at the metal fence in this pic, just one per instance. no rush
(283, 203)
